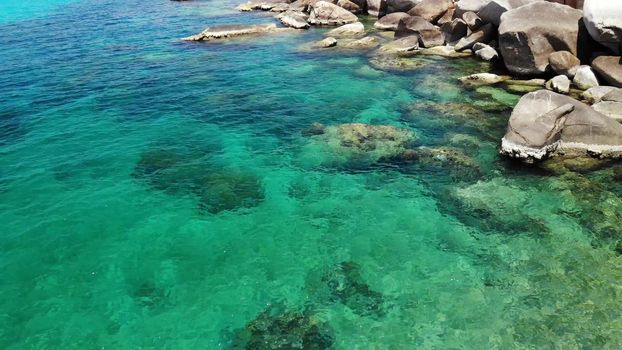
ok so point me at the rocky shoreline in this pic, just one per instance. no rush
(569, 51)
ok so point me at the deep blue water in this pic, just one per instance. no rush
(159, 194)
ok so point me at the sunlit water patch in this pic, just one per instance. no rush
(162, 194)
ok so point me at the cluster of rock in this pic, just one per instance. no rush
(569, 49)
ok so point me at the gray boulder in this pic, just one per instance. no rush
(431, 10)
(390, 21)
(609, 68)
(348, 30)
(400, 5)
(603, 20)
(564, 62)
(429, 34)
(350, 6)
(294, 20)
(491, 13)
(401, 45)
(454, 31)
(483, 35)
(472, 20)
(463, 6)
(326, 13)
(528, 35)
(585, 78)
(376, 7)
(543, 122)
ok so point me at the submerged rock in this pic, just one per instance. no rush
(343, 283)
(360, 145)
(229, 31)
(494, 206)
(445, 157)
(217, 190)
(396, 63)
(544, 121)
(228, 190)
(280, 329)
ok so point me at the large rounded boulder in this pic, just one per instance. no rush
(529, 34)
(603, 20)
(543, 122)
(326, 13)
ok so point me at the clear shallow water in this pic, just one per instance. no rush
(160, 194)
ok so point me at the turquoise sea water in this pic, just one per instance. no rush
(156, 194)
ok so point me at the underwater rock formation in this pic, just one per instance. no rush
(284, 329)
(343, 283)
(359, 145)
(218, 190)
